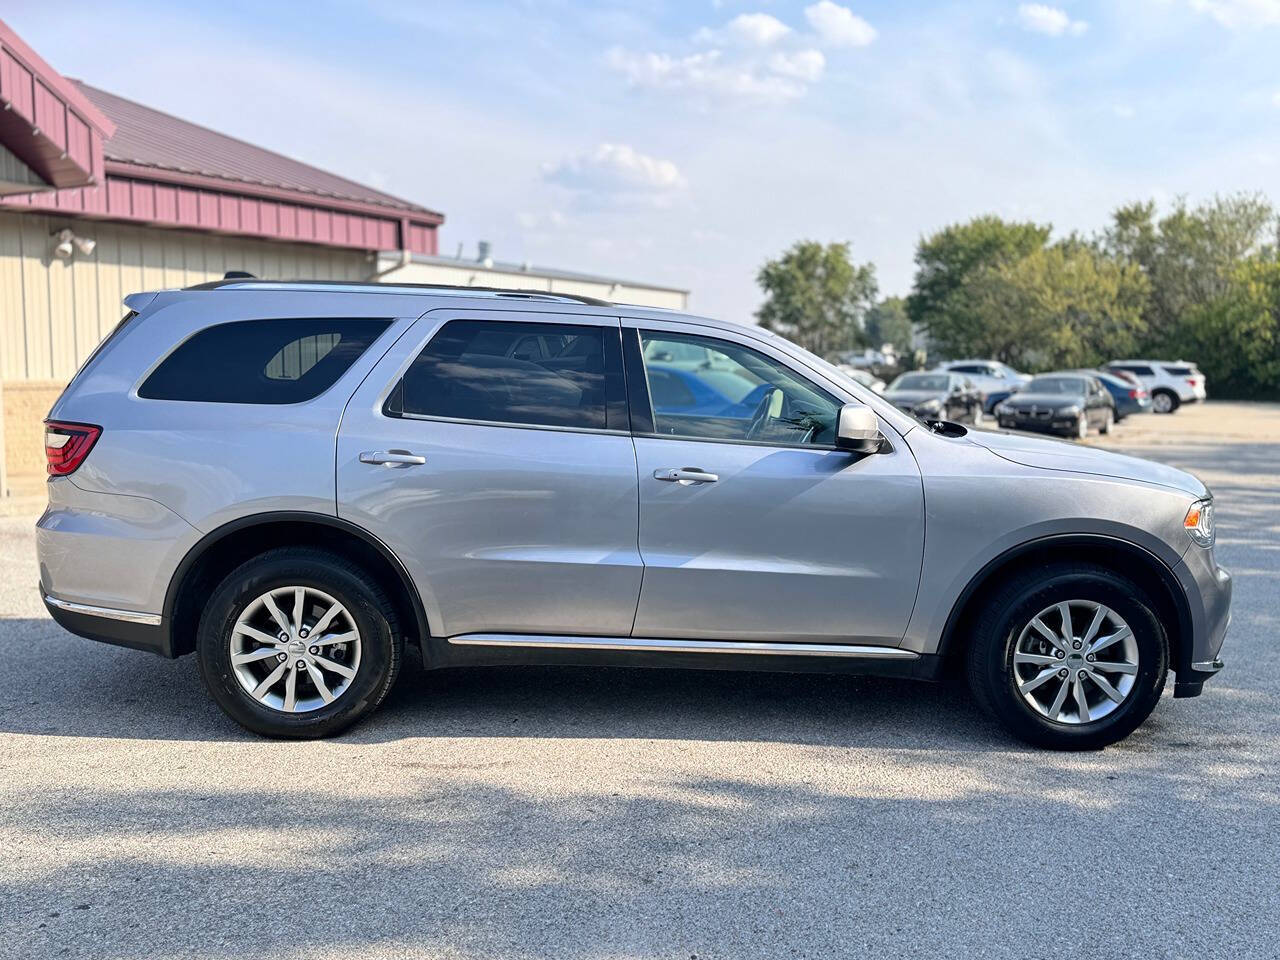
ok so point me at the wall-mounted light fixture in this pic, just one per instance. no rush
(68, 242)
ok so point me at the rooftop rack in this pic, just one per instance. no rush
(372, 287)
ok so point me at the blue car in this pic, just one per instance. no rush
(706, 393)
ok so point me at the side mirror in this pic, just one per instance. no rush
(858, 429)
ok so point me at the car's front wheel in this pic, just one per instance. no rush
(298, 642)
(1071, 657)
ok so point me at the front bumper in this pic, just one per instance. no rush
(1208, 591)
(1050, 423)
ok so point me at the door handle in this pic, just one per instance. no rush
(392, 458)
(684, 475)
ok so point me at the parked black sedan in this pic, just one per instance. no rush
(1129, 394)
(1064, 403)
(936, 396)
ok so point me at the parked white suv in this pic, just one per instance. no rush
(1170, 383)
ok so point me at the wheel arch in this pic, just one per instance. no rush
(223, 549)
(1124, 557)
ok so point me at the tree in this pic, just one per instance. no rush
(887, 322)
(1066, 305)
(816, 296)
(1236, 338)
(1189, 256)
(946, 260)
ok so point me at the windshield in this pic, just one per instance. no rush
(1072, 386)
(920, 381)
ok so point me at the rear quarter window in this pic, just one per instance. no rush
(262, 361)
(1180, 371)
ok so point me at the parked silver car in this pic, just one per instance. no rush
(297, 481)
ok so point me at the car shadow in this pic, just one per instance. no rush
(76, 688)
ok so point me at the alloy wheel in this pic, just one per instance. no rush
(295, 661)
(1075, 662)
(1161, 403)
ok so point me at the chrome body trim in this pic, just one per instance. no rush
(109, 613)
(682, 646)
(1208, 666)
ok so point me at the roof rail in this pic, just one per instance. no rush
(452, 289)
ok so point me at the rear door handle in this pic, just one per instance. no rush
(684, 475)
(392, 458)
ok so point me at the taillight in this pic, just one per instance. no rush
(1133, 394)
(1194, 381)
(67, 444)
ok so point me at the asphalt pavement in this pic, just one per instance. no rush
(573, 813)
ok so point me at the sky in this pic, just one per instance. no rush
(684, 143)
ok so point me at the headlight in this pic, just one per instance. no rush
(1073, 410)
(1199, 522)
(1003, 410)
(929, 406)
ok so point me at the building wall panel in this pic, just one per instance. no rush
(54, 312)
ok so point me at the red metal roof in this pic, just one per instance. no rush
(149, 138)
(44, 120)
(102, 156)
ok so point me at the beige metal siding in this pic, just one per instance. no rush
(53, 312)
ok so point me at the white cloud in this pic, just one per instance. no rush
(839, 26)
(756, 29)
(708, 73)
(615, 168)
(1240, 13)
(1051, 21)
(806, 65)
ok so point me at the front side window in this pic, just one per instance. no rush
(704, 388)
(262, 361)
(534, 374)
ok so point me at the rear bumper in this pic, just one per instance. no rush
(123, 628)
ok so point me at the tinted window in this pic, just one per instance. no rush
(1137, 370)
(701, 387)
(1180, 371)
(970, 368)
(538, 374)
(1067, 385)
(922, 381)
(262, 361)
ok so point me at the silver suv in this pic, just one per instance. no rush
(297, 481)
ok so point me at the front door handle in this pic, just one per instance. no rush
(684, 475)
(392, 458)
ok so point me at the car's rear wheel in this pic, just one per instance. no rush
(1071, 657)
(298, 642)
(1164, 401)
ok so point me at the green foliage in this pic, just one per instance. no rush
(816, 296)
(947, 260)
(1199, 283)
(887, 322)
(1190, 256)
(1235, 338)
(1060, 306)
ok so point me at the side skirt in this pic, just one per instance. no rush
(490, 649)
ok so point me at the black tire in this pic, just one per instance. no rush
(990, 660)
(1173, 399)
(382, 646)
